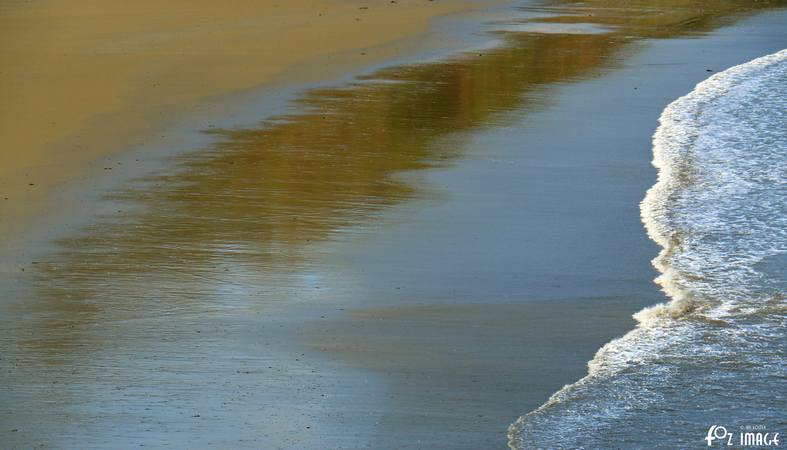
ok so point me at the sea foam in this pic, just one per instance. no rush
(715, 353)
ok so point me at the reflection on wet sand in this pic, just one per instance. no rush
(231, 215)
(138, 318)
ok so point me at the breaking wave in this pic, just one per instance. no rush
(716, 352)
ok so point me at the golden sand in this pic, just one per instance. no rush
(85, 78)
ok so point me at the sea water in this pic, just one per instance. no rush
(709, 366)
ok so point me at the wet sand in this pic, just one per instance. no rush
(411, 261)
(86, 79)
(475, 345)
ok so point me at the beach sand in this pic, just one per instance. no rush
(411, 260)
(86, 79)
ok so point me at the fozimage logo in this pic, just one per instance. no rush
(748, 436)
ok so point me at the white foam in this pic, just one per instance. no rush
(719, 212)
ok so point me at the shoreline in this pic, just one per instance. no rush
(371, 320)
(400, 340)
(662, 354)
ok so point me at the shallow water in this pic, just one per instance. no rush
(715, 354)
